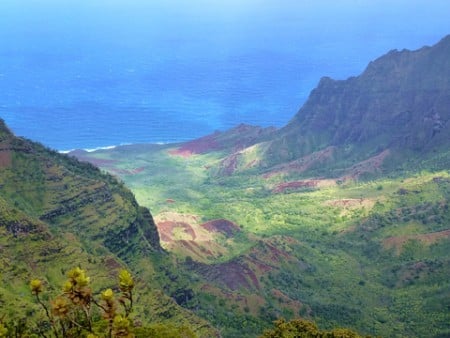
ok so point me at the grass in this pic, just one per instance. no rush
(335, 263)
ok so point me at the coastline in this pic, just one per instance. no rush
(91, 150)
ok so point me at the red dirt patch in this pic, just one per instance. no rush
(229, 164)
(224, 226)
(195, 248)
(371, 165)
(164, 237)
(260, 266)
(244, 271)
(282, 187)
(200, 146)
(303, 164)
(430, 238)
(5, 155)
(233, 275)
(266, 257)
(166, 229)
(234, 139)
(5, 158)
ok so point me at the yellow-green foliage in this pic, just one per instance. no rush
(354, 247)
(78, 312)
(164, 331)
(3, 330)
(299, 328)
(72, 312)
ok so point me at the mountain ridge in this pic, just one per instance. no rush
(308, 220)
(400, 100)
(341, 216)
(397, 109)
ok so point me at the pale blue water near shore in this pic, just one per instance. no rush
(93, 73)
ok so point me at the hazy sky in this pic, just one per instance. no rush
(105, 18)
(109, 25)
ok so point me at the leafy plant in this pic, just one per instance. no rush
(71, 312)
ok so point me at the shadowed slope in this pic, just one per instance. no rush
(57, 213)
(401, 101)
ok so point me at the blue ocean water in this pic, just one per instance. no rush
(94, 73)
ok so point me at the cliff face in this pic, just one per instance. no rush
(401, 100)
(57, 213)
(69, 196)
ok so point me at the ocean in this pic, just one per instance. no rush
(95, 73)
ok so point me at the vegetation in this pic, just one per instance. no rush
(331, 218)
(340, 252)
(56, 212)
(78, 312)
(71, 313)
(298, 328)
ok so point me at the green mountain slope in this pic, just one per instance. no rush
(57, 213)
(400, 102)
(372, 256)
(342, 216)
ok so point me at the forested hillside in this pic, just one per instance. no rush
(342, 216)
(56, 214)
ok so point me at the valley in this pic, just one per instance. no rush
(286, 245)
(341, 216)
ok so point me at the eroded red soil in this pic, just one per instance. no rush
(303, 164)
(5, 158)
(166, 229)
(5, 155)
(244, 272)
(371, 165)
(282, 187)
(200, 146)
(397, 242)
(234, 275)
(224, 226)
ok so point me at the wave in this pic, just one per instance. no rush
(90, 150)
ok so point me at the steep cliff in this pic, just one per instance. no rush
(57, 213)
(400, 102)
(70, 196)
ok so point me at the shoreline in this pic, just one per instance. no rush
(91, 150)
